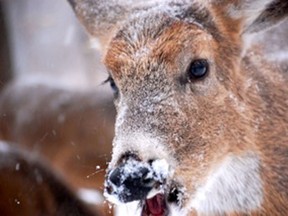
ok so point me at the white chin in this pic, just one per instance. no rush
(128, 209)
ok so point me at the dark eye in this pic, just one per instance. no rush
(112, 85)
(198, 69)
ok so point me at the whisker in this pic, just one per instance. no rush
(94, 173)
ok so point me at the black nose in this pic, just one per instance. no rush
(131, 181)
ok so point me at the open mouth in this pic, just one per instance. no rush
(144, 182)
(158, 202)
(158, 205)
(155, 206)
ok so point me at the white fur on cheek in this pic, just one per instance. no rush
(128, 209)
(176, 211)
(235, 187)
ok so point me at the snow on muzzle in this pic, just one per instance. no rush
(135, 180)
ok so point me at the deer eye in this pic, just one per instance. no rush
(198, 69)
(113, 86)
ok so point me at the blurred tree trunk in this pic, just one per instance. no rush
(48, 44)
(5, 66)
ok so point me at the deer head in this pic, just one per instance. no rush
(192, 105)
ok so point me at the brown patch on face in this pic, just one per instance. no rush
(132, 45)
(181, 37)
(177, 41)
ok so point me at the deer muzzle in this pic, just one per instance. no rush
(135, 180)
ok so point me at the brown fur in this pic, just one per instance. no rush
(71, 130)
(29, 187)
(239, 108)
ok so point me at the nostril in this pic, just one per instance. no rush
(109, 189)
(147, 182)
(131, 181)
(144, 171)
(150, 162)
(146, 178)
(115, 177)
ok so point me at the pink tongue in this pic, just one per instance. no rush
(154, 206)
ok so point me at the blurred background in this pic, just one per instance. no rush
(52, 100)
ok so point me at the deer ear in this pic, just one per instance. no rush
(255, 15)
(100, 17)
(273, 14)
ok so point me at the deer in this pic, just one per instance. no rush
(66, 127)
(202, 121)
(29, 186)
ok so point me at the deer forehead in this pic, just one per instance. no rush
(160, 39)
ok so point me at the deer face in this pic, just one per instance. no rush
(184, 133)
(175, 106)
